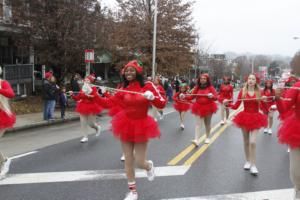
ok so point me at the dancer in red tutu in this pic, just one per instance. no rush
(289, 132)
(158, 84)
(180, 105)
(269, 106)
(283, 112)
(7, 117)
(204, 106)
(250, 120)
(88, 107)
(226, 92)
(132, 125)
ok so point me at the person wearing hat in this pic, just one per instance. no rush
(7, 117)
(269, 106)
(204, 106)
(132, 125)
(88, 107)
(284, 112)
(50, 92)
(180, 105)
(250, 120)
(289, 131)
(225, 92)
(158, 84)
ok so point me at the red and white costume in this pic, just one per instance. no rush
(284, 112)
(132, 123)
(204, 105)
(250, 118)
(7, 118)
(179, 104)
(88, 105)
(266, 106)
(226, 92)
(289, 131)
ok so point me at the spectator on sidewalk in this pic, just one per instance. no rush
(7, 118)
(63, 101)
(76, 81)
(50, 91)
(169, 92)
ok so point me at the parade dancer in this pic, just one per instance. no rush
(250, 120)
(204, 106)
(289, 132)
(226, 92)
(132, 125)
(88, 107)
(180, 105)
(283, 112)
(113, 108)
(269, 106)
(158, 84)
(7, 117)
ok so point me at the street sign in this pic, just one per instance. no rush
(89, 55)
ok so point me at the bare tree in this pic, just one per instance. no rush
(59, 30)
(175, 34)
(295, 63)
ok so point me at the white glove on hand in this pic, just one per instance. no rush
(86, 89)
(149, 95)
(181, 96)
(99, 78)
(210, 95)
(103, 89)
(273, 107)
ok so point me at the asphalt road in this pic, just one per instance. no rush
(69, 170)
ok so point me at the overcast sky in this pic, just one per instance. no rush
(255, 26)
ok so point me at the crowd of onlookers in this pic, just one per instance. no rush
(54, 94)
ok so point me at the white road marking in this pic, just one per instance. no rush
(5, 168)
(53, 177)
(284, 194)
(23, 155)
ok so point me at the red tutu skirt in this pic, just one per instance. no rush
(7, 121)
(134, 130)
(285, 115)
(250, 121)
(289, 132)
(114, 110)
(204, 110)
(181, 107)
(88, 108)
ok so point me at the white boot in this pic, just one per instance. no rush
(98, 132)
(196, 141)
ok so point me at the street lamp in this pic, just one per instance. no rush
(252, 70)
(154, 40)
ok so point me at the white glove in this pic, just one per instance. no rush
(181, 96)
(99, 78)
(149, 95)
(210, 95)
(103, 89)
(273, 107)
(86, 89)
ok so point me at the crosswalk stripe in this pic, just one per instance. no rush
(284, 194)
(70, 176)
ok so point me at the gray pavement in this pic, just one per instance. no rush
(218, 170)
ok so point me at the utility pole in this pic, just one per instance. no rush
(154, 40)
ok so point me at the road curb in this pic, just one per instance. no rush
(42, 124)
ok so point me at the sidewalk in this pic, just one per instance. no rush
(35, 120)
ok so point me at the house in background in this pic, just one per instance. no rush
(17, 61)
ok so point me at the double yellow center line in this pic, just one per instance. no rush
(200, 151)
